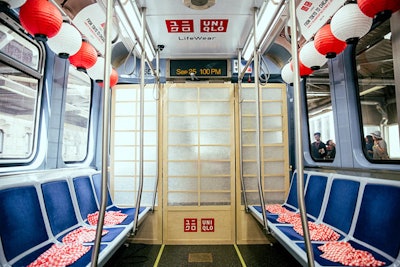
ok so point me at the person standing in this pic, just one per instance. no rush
(369, 143)
(330, 149)
(379, 148)
(318, 148)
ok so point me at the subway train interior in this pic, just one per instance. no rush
(199, 133)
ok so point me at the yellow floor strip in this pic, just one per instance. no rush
(159, 255)
(239, 255)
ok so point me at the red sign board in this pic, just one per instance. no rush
(207, 224)
(179, 25)
(213, 25)
(190, 224)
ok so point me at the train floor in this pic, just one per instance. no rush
(141, 255)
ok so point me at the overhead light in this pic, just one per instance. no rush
(199, 4)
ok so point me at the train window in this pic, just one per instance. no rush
(76, 117)
(320, 115)
(19, 95)
(378, 94)
(16, 47)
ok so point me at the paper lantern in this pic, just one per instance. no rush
(113, 78)
(310, 56)
(14, 3)
(85, 58)
(304, 70)
(287, 74)
(40, 18)
(66, 42)
(349, 23)
(374, 7)
(96, 72)
(327, 44)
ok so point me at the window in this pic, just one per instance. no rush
(76, 117)
(19, 96)
(378, 93)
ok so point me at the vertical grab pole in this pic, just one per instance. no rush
(299, 147)
(258, 117)
(240, 131)
(105, 135)
(141, 170)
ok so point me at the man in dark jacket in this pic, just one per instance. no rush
(318, 148)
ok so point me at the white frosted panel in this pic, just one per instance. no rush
(179, 108)
(124, 184)
(126, 123)
(274, 167)
(249, 137)
(182, 199)
(249, 153)
(124, 153)
(271, 108)
(215, 122)
(251, 183)
(182, 152)
(215, 108)
(274, 183)
(150, 92)
(249, 108)
(149, 183)
(215, 168)
(126, 109)
(214, 93)
(182, 184)
(182, 168)
(273, 152)
(150, 138)
(272, 94)
(150, 123)
(271, 122)
(248, 93)
(182, 123)
(124, 138)
(215, 137)
(253, 198)
(274, 197)
(126, 94)
(150, 108)
(273, 137)
(215, 152)
(125, 198)
(150, 168)
(215, 198)
(182, 93)
(187, 138)
(147, 199)
(215, 183)
(124, 168)
(249, 168)
(249, 122)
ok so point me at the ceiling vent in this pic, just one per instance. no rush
(199, 4)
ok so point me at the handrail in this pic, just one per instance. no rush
(240, 133)
(141, 143)
(105, 135)
(298, 138)
(258, 128)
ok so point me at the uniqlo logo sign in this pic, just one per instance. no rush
(306, 6)
(190, 224)
(179, 25)
(213, 25)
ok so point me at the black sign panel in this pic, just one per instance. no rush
(199, 67)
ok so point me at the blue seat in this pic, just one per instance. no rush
(22, 225)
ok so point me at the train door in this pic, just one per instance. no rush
(198, 164)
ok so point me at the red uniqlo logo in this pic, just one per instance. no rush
(213, 25)
(179, 25)
(306, 6)
(207, 224)
(190, 224)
